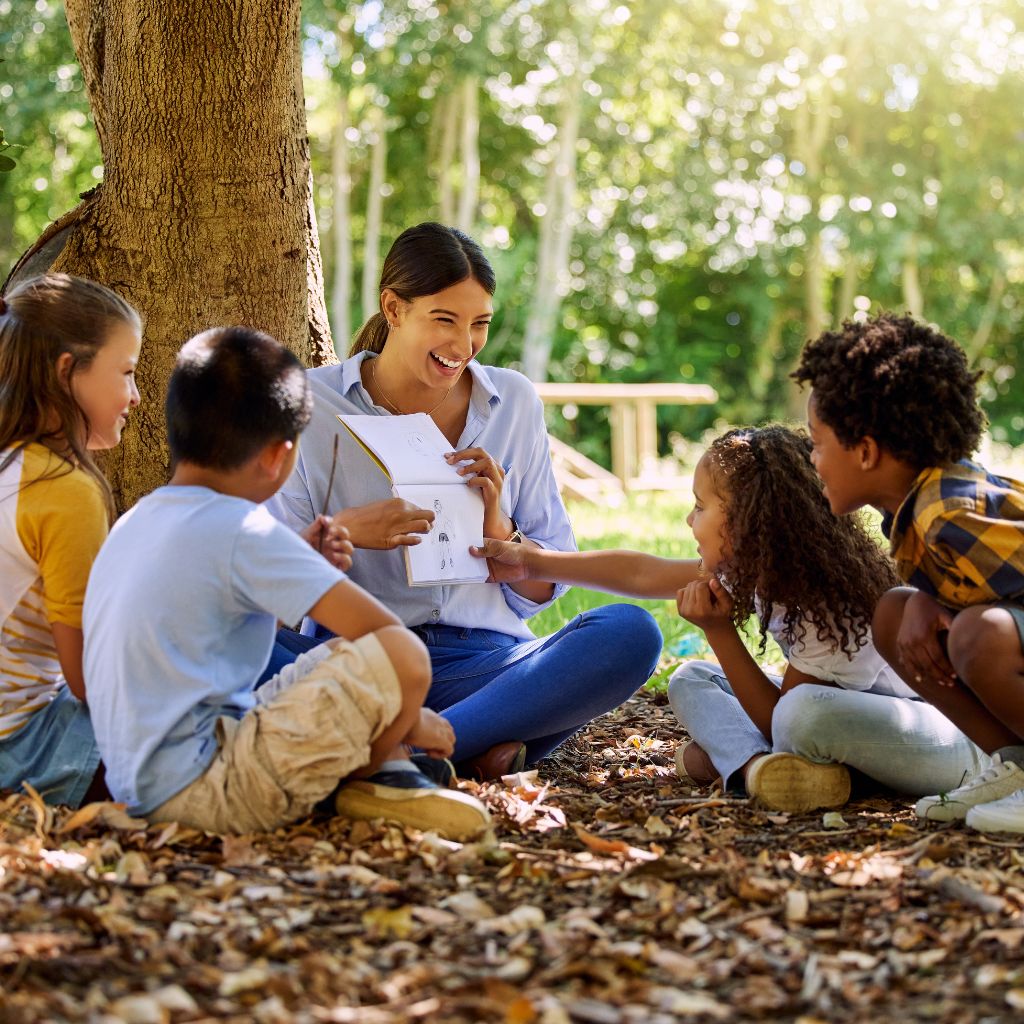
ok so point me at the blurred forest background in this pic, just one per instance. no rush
(669, 191)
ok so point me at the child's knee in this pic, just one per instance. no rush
(688, 682)
(801, 717)
(980, 638)
(409, 658)
(885, 623)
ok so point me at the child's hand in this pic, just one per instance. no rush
(705, 603)
(331, 540)
(433, 734)
(920, 640)
(506, 562)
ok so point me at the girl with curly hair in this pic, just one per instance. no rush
(771, 550)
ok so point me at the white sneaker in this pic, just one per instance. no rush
(1006, 815)
(1001, 778)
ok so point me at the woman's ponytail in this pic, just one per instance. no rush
(371, 336)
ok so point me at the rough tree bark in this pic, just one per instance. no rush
(205, 215)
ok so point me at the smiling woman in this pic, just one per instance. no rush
(510, 696)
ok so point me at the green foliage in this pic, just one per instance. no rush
(42, 97)
(739, 164)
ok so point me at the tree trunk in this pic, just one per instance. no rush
(470, 155)
(554, 239)
(205, 213)
(913, 296)
(448, 113)
(341, 226)
(374, 218)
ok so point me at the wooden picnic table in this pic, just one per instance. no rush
(634, 420)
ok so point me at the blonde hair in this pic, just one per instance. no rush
(40, 320)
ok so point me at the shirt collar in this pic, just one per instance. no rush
(484, 392)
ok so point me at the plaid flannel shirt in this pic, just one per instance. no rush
(959, 536)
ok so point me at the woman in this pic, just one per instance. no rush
(511, 697)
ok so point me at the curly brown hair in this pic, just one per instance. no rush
(898, 381)
(788, 549)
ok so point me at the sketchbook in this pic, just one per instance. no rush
(410, 451)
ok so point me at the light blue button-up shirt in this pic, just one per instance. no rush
(506, 418)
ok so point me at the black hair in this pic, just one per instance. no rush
(233, 391)
(899, 381)
(788, 549)
(424, 260)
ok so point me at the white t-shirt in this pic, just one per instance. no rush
(866, 671)
(180, 616)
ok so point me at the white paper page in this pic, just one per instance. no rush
(412, 447)
(443, 554)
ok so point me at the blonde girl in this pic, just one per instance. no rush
(68, 351)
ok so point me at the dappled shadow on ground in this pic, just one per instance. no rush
(607, 894)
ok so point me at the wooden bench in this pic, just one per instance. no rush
(634, 427)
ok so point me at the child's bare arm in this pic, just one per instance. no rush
(68, 641)
(631, 573)
(349, 611)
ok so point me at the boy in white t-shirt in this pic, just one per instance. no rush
(180, 616)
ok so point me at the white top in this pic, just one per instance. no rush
(180, 616)
(506, 418)
(866, 671)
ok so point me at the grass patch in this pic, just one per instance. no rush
(653, 522)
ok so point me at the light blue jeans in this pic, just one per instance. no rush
(55, 752)
(905, 744)
(493, 687)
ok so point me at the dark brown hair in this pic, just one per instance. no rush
(788, 550)
(899, 381)
(422, 261)
(42, 319)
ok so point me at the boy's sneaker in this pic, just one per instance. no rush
(410, 798)
(1001, 778)
(694, 767)
(1006, 815)
(788, 782)
(438, 769)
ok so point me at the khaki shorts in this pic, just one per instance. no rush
(312, 727)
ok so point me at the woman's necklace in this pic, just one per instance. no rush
(394, 408)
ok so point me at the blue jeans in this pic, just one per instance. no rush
(907, 745)
(493, 687)
(55, 751)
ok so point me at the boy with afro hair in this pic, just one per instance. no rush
(894, 417)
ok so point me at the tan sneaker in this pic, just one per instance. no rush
(410, 798)
(788, 782)
(694, 767)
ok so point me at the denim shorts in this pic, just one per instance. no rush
(54, 751)
(1017, 611)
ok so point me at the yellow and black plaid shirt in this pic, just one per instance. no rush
(959, 536)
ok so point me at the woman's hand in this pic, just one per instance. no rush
(484, 473)
(707, 604)
(331, 540)
(433, 734)
(507, 563)
(384, 525)
(921, 650)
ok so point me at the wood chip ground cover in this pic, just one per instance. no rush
(608, 894)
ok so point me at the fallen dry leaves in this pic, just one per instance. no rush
(607, 895)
